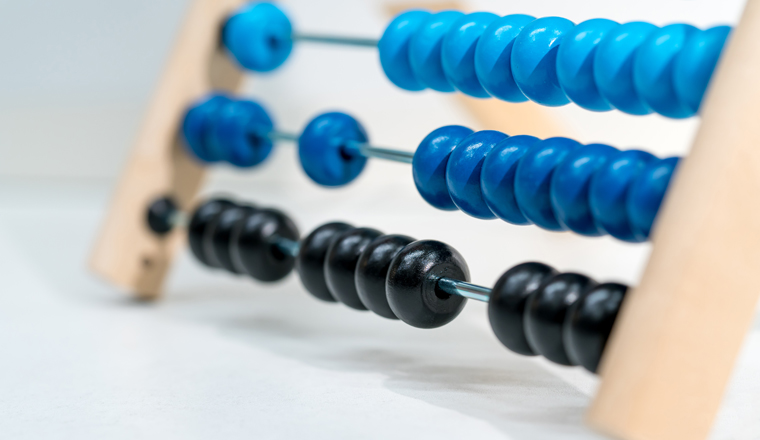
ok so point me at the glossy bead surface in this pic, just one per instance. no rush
(310, 262)
(240, 132)
(506, 306)
(160, 215)
(646, 194)
(254, 249)
(425, 50)
(411, 285)
(493, 57)
(203, 216)
(458, 52)
(322, 149)
(430, 162)
(695, 64)
(341, 261)
(372, 271)
(545, 313)
(221, 236)
(259, 37)
(589, 323)
(196, 126)
(394, 47)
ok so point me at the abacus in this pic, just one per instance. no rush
(675, 333)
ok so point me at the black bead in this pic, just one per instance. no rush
(372, 271)
(253, 246)
(310, 262)
(589, 323)
(204, 216)
(412, 286)
(221, 235)
(160, 214)
(506, 307)
(340, 264)
(545, 313)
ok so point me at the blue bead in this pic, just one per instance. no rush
(646, 194)
(533, 180)
(609, 189)
(497, 177)
(493, 57)
(458, 52)
(463, 172)
(425, 51)
(241, 130)
(575, 63)
(653, 69)
(394, 49)
(323, 153)
(259, 37)
(613, 66)
(570, 187)
(197, 124)
(430, 161)
(695, 64)
(534, 60)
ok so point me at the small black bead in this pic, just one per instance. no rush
(412, 286)
(203, 217)
(222, 233)
(253, 246)
(506, 307)
(545, 313)
(310, 262)
(160, 214)
(340, 264)
(589, 323)
(372, 271)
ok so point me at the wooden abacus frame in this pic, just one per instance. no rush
(679, 333)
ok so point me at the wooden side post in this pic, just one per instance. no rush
(127, 253)
(672, 353)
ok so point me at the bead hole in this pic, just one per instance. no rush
(439, 293)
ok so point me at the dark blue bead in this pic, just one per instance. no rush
(197, 124)
(494, 54)
(323, 153)
(394, 49)
(430, 161)
(695, 63)
(259, 37)
(570, 187)
(646, 194)
(497, 177)
(241, 131)
(425, 51)
(458, 52)
(533, 180)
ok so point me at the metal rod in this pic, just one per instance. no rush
(287, 246)
(179, 219)
(334, 39)
(367, 150)
(467, 290)
(275, 136)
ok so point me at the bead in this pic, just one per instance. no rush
(203, 217)
(533, 180)
(221, 236)
(425, 51)
(340, 264)
(160, 215)
(372, 271)
(534, 60)
(458, 52)
(196, 126)
(430, 161)
(463, 172)
(575, 63)
(411, 285)
(254, 249)
(240, 131)
(322, 149)
(259, 37)
(497, 178)
(506, 306)
(589, 323)
(310, 262)
(646, 194)
(394, 48)
(695, 64)
(493, 56)
(545, 312)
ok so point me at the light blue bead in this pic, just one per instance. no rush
(575, 63)
(197, 124)
(653, 69)
(394, 47)
(241, 130)
(430, 161)
(497, 177)
(534, 60)
(458, 52)
(493, 57)
(613, 66)
(646, 194)
(463, 172)
(695, 64)
(259, 37)
(570, 187)
(533, 180)
(425, 50)
(609, 190)
(323, 153)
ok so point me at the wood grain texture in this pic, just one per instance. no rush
(674, 347)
